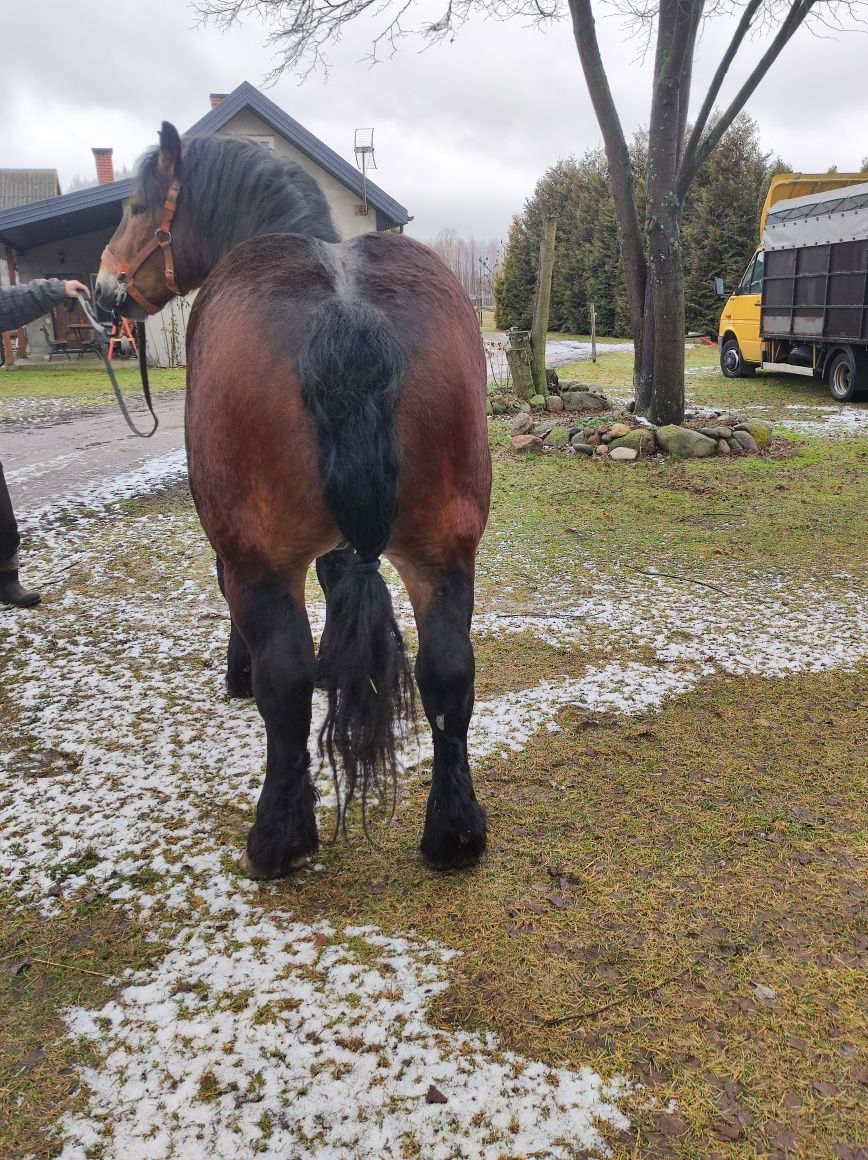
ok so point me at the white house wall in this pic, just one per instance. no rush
(342, 201)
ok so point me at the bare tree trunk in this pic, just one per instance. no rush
(660, 364)
(659, 375)
(541, 304)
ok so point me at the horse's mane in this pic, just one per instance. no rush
(241, 190)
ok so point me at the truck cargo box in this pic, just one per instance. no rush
(815, 282)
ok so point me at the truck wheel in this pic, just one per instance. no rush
(845, 381)
(731, 362)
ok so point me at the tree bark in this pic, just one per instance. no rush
(542, 304)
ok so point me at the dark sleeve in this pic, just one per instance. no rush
(21, 304)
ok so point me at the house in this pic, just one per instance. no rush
(64, 236)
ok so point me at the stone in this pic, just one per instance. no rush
(589, 431)
(724, 432)
(574, 431)
(524, 407)
(746, 441)
(619, 429)
(537, 402)
(639, 439)
(583, 401)
(623, 453)
(723, 448)
(602, 451)
(734, 446)
(542, 429)
(761, 432)
(595, 440)
(711, 433)
(559, 437)
(554, 403)
(582, 448)
(684, 443)
(527, 443)
(521, 424)
(606, 437)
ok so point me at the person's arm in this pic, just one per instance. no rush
(21, 304)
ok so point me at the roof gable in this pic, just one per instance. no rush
(248, 97)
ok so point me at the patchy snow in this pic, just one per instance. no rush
(835, 420)
(765, 625)
(256, 1031)
(270, 1034)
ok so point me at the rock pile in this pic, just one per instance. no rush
(584, 423)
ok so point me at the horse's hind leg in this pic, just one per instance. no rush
(238, 679)
(455, 824)
(273, 620)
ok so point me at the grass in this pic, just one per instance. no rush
(78, 385)
(678, 898)
(643, 880)
(45, 967)
(705, 385)
(794, 511)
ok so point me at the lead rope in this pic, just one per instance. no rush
(101, 339)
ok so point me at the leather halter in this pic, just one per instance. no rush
(124, 272)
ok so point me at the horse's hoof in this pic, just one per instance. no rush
(259, 875)
(455, 851)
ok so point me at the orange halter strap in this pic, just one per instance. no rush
(162, 240)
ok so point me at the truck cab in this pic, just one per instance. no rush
(740, 341)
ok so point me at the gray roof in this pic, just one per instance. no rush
(248, 97)
(23, 186)
(99, 207)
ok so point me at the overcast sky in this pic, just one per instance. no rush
(463, 130)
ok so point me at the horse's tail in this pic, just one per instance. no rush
(351, 367)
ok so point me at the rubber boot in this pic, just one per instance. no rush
(11, 592)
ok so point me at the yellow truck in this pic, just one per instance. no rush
(802, 305)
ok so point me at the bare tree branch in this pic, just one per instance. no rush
(688, 155)
(796, 16)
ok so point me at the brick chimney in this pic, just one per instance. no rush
(105, 170)
(215, 99)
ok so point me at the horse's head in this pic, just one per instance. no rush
(137, 273)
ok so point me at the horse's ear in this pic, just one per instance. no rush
(169, 157)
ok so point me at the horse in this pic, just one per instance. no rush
(336, 413)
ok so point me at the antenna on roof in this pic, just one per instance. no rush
(365, 160)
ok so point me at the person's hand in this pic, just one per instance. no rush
(72, 288)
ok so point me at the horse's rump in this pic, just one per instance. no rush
(388, 342)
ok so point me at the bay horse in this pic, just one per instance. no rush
(335, 412)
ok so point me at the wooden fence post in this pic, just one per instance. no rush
(542, 303)
(593, 333)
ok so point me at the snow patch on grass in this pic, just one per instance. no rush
(270, 1036)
